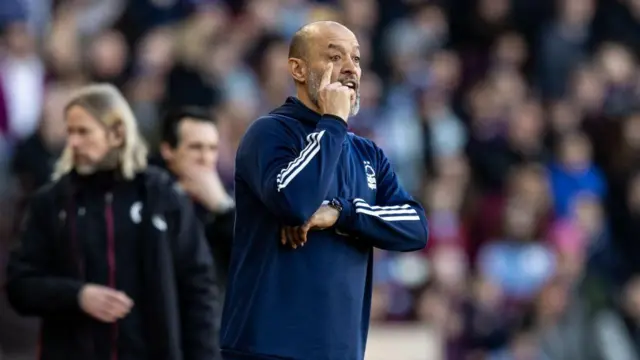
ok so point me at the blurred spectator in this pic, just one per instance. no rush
(564, 44)
(36, 155)
(22, 79)
(517, 261)
(574, 173)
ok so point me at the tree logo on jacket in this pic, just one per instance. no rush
(371, 175)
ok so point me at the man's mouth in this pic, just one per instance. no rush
(351, 84)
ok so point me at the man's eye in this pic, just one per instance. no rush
(335, 58)
(356, 59)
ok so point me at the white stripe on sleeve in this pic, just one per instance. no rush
(387, 213)
(296, 165)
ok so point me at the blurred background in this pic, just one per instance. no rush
(516, 122)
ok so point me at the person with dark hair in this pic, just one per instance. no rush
(189, 149)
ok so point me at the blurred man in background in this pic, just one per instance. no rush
(111, 256)
(189, 148)
(312, 202)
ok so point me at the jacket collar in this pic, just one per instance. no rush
(294, 108)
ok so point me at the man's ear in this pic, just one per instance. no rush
(117, 135)
(166, 151)
(298, 70)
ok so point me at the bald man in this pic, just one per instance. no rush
(313, 200)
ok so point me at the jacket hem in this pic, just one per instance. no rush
(230, 354)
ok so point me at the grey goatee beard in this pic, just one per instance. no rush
(313, 87)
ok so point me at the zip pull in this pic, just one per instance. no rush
(108, 197)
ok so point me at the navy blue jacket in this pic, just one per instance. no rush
(311, 303)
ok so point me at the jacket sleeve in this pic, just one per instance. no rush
(219, 233)
(31, 287)
(292, 182)
(199, 296)
(395, 222)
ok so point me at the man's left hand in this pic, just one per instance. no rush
(324, 218)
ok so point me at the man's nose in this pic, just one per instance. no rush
(73, 140)
(348, 67)
(206, 157)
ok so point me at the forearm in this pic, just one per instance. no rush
(401, 227)
(43, 295)
(219, 233)
(295, 189)
(32, 286)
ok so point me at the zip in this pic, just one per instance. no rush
(111, 263)
(74, 217)
(77, 248)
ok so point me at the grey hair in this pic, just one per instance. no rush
(108, 106)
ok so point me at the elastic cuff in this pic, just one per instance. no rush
(332, 121)
(69, 293)
(344, 221)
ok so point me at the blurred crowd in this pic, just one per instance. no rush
(516, 122)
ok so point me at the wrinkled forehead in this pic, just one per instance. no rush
(333, 38)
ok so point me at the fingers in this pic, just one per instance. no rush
(303, 230)
(110, 315)
(294, 236)
(190, 175)
(116, 305)
(105, 316)
(286, 236)
(326, 77)
(301, 235)
(112, 312)
(104, 303)
(120, 298)
(193, 172)
(337, 86)
(289, 236)
(297, 236)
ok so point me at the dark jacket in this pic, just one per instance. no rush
(218, 229)
(311, 303)
(161, 262)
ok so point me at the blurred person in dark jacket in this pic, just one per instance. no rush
(112, 257)
(189, 149)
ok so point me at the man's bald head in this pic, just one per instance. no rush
(299, 47)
